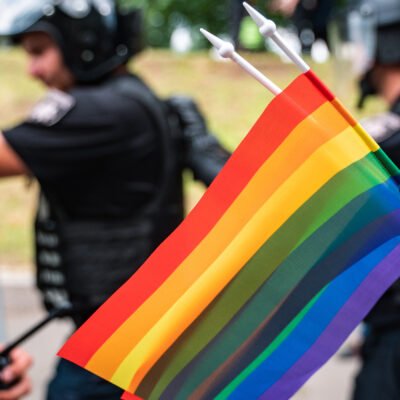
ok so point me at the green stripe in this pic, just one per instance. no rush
(387, 162)
(269, 350)
(339, 191)
(294, 268)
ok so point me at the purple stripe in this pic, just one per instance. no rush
(349, 316)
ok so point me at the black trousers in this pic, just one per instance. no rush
(74, 383)
(379, 377)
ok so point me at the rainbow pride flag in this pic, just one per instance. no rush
(289, 248)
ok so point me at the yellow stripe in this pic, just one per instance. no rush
(357, 127)
(367, 138)
(326, 162)
(324, 124)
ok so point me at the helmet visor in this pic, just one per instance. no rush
(353, 36)
(17, 16)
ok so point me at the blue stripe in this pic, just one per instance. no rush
(352, 218)
(312, 325)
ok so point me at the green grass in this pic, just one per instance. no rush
(230, 98)
(16, 210)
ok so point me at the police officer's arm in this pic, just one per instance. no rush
(202, 153)
(10, 163)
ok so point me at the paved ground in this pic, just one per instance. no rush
(22, 306)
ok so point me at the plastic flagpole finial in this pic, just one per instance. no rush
(227, 50)
(268, 30)
(267, 26)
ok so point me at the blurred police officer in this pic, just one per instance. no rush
(108, 156)
(370, 32)
(310, 17)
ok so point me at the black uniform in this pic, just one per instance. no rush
(109, 160)
(379, 377)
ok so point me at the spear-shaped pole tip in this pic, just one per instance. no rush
(266, 26)
(267, 29)
(225, 49)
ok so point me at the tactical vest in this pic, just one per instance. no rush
(85, 262)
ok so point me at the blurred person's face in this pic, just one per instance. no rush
(45, 61)
(386, 81)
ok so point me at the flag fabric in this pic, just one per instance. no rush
(130, 396)
(287, 251)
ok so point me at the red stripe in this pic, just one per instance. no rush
(129, 396)
(320, 85)
(278, 120)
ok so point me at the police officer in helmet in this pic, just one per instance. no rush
(372, 29)
(107, 153)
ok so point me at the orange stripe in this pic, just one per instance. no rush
(345, 114)
(239, 169)
(357, 127)
(324, 124)
(295, 191)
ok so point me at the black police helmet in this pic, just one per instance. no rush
(94, 37)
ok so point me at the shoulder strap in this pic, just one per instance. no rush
(133, 87)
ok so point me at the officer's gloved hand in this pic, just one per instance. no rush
(16, 371)
(203, 154)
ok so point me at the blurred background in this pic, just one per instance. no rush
(176, 60)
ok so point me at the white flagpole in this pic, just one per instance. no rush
(267, 29)
(227, 50)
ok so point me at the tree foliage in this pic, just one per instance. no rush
(164, 16)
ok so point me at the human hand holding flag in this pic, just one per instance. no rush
(286, 252)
